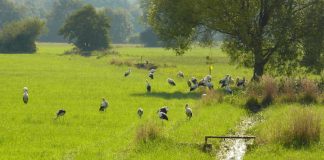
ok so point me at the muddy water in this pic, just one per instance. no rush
(234, 149)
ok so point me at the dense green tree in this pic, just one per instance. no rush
(263, 34)
(149, 38)
(9, 12)
(313, 39)
(87, 29)
(121, 25)
(20, 36)
(60, 11)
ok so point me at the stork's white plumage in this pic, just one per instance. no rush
(180, 74)
(151, 75)
(171, 82)
(163, 116)
(188, 111)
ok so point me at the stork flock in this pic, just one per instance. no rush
(193, 84)
(162, 113)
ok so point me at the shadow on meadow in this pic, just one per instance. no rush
(166, 95)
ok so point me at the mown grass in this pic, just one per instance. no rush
(77, 83)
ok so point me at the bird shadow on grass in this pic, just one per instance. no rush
(166, 95)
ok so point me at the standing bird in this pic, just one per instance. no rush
(140, 112)
(194, 80)
(60, 113)
(164, 109)
(188, 111)
(180, 74)
(148, 86)
(240, 82)
(225, 81)
(194, 87)
(127, 73)
(171, 82)
(151, 75)
(228, 90)
(25, 95)
(163, 116)
(104, 105)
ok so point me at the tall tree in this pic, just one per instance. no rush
(55, 20)
(87, 29)
(121, 25)
(259, 33)
(9, 12)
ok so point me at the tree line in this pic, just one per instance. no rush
(126, 24)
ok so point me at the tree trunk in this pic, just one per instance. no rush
(258, 62)
(258, 71)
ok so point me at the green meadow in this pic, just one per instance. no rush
(77, 83)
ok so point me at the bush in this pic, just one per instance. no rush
(287, 90)
(309, 91)
(270, 90)
(253, 105)
(147, 132)
(20, 36)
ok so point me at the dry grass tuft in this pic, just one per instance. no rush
(148, 132)
(299, 128)
(212, 97)
(270, 90)
(309, 91)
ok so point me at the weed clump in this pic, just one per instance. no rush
(212, 97)
(300, 127)
(270, 90)
(309, 91)
(148, 132)
(304, 129)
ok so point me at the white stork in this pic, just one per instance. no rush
(171, 82)
(188, 111)
(104, 105)
(25, 95)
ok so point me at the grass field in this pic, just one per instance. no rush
(77, 84)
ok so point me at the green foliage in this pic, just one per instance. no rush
(9, 12)
(87, 29)
(20, 36)
(149, 38)
(121, 25)
(55, 20)
(265, 35)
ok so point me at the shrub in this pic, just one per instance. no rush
(304, 128)
(309, 91)
(148, 132)
(288, 90)
(253, 105)
(270, 90)
(20, 36)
